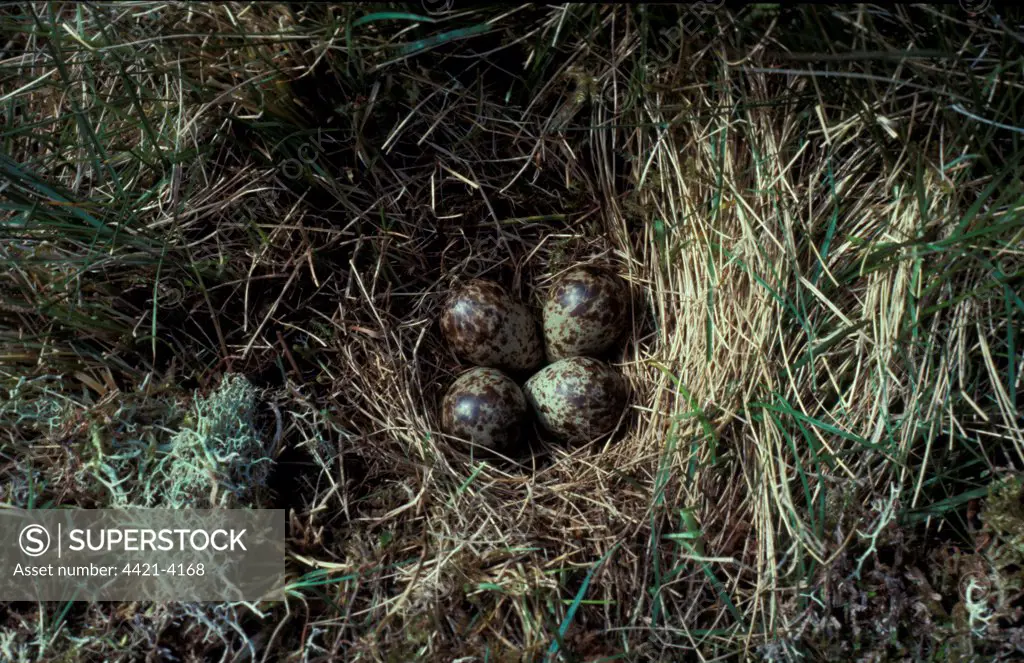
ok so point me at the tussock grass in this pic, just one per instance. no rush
(819, 214)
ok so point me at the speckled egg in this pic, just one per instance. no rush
(485, 407)
(577, 399)
(585, 313)
(486, 326)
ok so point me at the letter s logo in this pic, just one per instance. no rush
(34, 540)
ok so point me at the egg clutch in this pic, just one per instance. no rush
(576, 397)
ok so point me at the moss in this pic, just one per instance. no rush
(1003, 516)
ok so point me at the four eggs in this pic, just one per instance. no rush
(575, 398)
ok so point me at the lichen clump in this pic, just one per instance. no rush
(217, 459)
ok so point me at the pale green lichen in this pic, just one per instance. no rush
(36, 404)
(13, 647)
(218, 457)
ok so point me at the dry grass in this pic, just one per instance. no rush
(819, 215)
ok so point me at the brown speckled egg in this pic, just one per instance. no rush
(487, 327)
(585, 313)
(577, 399)
(485, 407)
